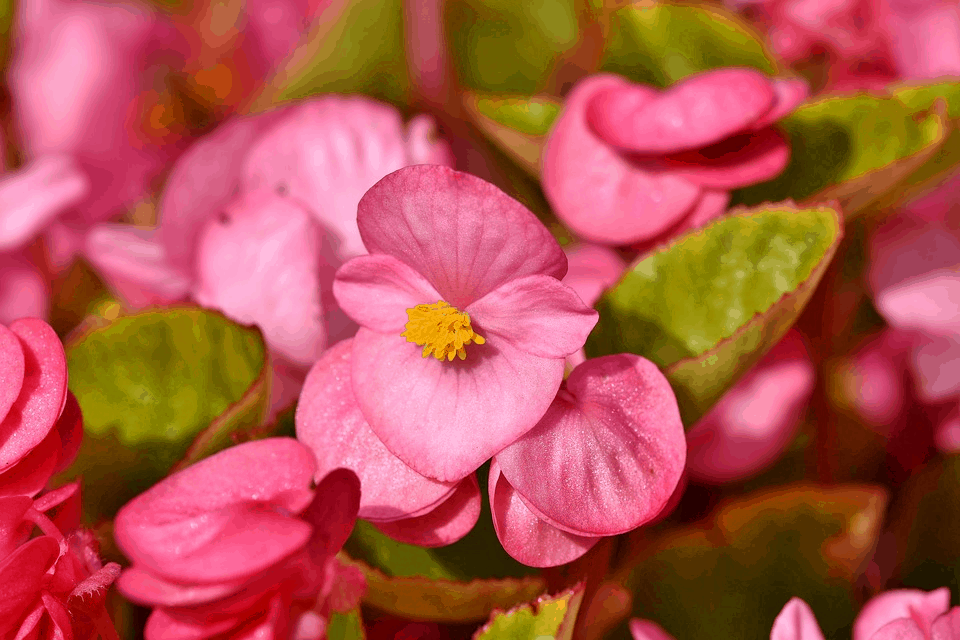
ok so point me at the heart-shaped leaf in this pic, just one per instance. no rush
(548, 617)
(708, 306)
(157, 389)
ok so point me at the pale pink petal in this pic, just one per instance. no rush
(922, 606)
(599, 193)
(648, 630)
(757, 419)
(376, 291)
(936, 361)
(929, 303)
(462, 234)
(12, 365)
(23, 289)
(789, 93)
(448, 522)
(947, 626)
(796, 622)
(34, 413)
(612, 439)
(696, 112)
(537, 314)
(927, 41)
(733, 163)
(526, 537)
(592, 268)
(900, 629)
(33, 196)
(261, 263)
(329, 421)
(444, 419)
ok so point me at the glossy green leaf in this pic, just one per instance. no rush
(708, 306)
(157, 389)
(852, 149)
(549, 617)
(730, 576)
(662, 43)
(517, 125)
(346, 626)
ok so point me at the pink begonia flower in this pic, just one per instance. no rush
(237, 543)
(591, 269)
(754, 422)
(604, 459)
(628, 163)
(464, 323)
(403, 503)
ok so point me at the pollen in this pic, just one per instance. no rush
(443, 331)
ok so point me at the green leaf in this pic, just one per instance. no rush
(708, 306)
(157, 389)
(517, 125)
(663, 43)
(346, 626)
(548, 617)
(852, 149)
(730, 576)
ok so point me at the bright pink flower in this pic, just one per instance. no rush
(464, 324)
(403, 503)
(236, 542)
(629, 163)
(604, 459)
(756, 420)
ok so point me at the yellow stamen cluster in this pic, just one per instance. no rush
(441, 330)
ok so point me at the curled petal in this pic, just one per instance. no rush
(789, 93)
(145, 588)
(735, 162)
(613, 440)
(333, 512)
(900, 629)
(452, 519)
(462, 234)
(796, 622)
(921, 606)
(12, 365)
(648, 630)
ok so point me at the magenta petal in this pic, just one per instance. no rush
(329, 421)
(599, 193)
(929, 303)
(922, 606)
(13, 529)
(44, 390)
(376, 291)
(789, 92)
(148, 589)
(947, 626)
(30, 474)
(448, 522)
(527, 538)
(261, 263)
(70, 430)
(462, 234)
(736, 162)
(445, 419)
(697, 111)
(11, 363)
(161, 625)
(648, 630)
(537, 314)
(796, 622)
(20, 579)
(332, 513)
(33, 196)
(905, 248)
(613, 440)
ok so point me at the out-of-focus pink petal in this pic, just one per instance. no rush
(329, 421)
(900, 629)
(757, 419)
(33, 196)
(712, 204)
(23, 289)
(927, 42)
(921, 606)
(12, 365)
(648, 630)
(274, 27)
(874, 382)
(592, 268)
(376, 291)
(599, 193)
(613, 440)
(906, 247)
(789, 93)
(35, 411)
(21, 574)
(537, 314)
(462, 234)
(796, 622)
(936, 361)
(929, 303)
(947, 626)
(448, 522)
(424, 144)
(475, 407)
(163, 625)
(696, 112)
(261, 263)
(62, 505)
(526, 537)
(735, 162)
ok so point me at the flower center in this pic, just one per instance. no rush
(441, 330)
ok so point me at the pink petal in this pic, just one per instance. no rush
(62, 505)
(936, 361)
(30, 474)
(537, 314)
(875, 381)
(947, 626)
(70, 431)
(599, 193)
(736, 162)
(12, 365)
(648, 630)
(61, 626)
(33, 196)
(613, 439)
(789, 93)
(527, 538)
(447, 523)
(328, 152)
(332, 513)
(42, 395)
(591, 269)
(900, 629)
(23, 289)
(329, 421)
(905, 248)
(20, 579)
(444, 419)
(757, 419)
(796, 622)
(134, 263)
(696, 112)
(145, 588)
(376, 291)
(929, 303)
(465, 236)
(162, 625)
(922, 606)
(261, 263)
(14, 530)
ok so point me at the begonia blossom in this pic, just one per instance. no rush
(604, 459)
(237, 543)
(464, 323)
(629, 163)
